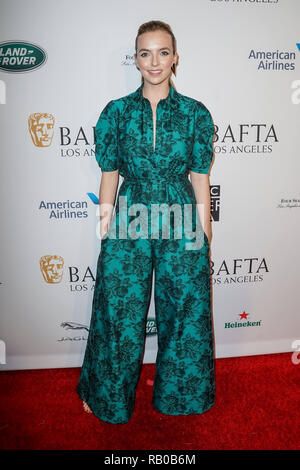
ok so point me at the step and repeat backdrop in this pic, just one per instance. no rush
(59, 67)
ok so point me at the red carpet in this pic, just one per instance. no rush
(257, 407)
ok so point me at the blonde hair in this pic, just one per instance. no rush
(156, 25)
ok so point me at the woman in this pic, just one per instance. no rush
(154, 137)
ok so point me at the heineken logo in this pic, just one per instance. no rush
(17, 56)
(242, 322)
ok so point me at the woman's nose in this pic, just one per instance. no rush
(154, 60)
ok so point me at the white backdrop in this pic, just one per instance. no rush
(225, 51)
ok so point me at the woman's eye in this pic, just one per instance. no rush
(144, 54)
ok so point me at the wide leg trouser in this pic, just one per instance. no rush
(185, 376)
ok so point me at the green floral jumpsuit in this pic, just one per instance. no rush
(185, 376)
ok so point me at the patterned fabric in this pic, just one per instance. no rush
(184, 136)
(185, 376)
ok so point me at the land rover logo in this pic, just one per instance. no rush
(18, 56)
(151, 328)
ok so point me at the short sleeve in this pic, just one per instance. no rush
(204, 131)
(106, 132)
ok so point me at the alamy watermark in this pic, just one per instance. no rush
(184, 225)
(296, 354)
(2, 352)
(2, 92)
(295, 96)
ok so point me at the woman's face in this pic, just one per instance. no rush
(155, 56)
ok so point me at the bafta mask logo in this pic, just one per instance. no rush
(41, 128)
(52, 268)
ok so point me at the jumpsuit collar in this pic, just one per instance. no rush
(171, 101)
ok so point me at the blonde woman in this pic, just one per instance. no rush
(155, 138)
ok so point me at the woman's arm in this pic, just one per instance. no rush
(200, 182)
(107, 196)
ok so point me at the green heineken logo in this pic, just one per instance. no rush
(16, 56)
(242, 324)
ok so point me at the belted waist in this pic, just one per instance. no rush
(180, 177)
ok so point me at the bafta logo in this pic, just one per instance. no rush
(52, 268)
(41, 128)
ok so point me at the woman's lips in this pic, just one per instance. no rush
(154, 72)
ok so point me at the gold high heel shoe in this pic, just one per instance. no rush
(86, 407)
